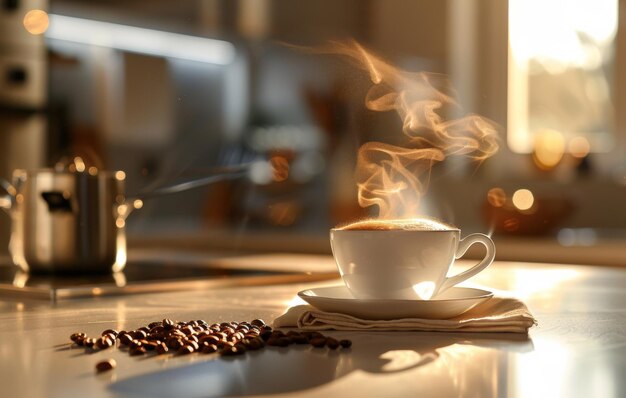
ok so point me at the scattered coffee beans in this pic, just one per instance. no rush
(332, 343)
(184, 338)
(103, 366)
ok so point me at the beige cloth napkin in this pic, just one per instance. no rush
(498, 314)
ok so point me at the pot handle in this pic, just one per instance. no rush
(6, 201)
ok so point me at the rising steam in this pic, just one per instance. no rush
(392, 177)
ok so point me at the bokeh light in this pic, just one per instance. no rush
(496, 197)
(523, 199)
(36, 22)
(549, 149)
(579, 147)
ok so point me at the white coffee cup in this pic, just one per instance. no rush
(403, 264)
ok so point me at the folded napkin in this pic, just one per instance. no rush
(498, 314)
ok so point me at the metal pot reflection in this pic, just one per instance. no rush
(67, 222)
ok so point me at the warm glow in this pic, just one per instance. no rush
(295, 301)
(120, 223)
(121, 255)
(93, 170)
(424, 290)
(36, 22)
(122, 210)
(523, 199)
(555, 33)
(496, 197)
(528, 283)
(560, 49)
(138, 204)
(579, 147)
(80, 164)
(120, 175)
(549, 149)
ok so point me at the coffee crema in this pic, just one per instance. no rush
(408, 224)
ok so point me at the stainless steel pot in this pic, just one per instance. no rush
(66, 221)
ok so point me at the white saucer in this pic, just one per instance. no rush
(454, 301)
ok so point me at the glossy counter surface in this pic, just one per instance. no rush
(577, 350)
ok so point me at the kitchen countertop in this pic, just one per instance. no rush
(578, 348)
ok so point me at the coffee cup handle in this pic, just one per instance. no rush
(465, 244)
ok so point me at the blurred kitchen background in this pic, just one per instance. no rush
(170, 91)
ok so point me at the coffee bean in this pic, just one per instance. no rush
(345, 343)
(193, 344)
(299, 339)
(137, 351)
(313, 335)
(208, 349)
(188, 330)
(89, 342)
(240, 347)
(104, 342)
(192, 338)
(318, 342)
(177, 333)
(210, 339)
(174, 343)
(144, 329)
(253, 344)
(223, 344)
(135, 344)
(150, 345)
(104, 366)
(168, 324)
(126, 339)
(278, 333)
(186, 349)
(279, 341)
(228, 330)
(139, 334)
(162, 349)
(110, 331)
(109, 336)
(333, 344)
(77, 336)
(152, 325)
(230, 351)
(157, 329)
(258, 322)
(266, 335)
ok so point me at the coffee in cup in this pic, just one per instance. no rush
(403, 259)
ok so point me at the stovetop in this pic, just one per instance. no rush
(149, 275)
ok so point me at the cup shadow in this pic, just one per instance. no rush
(281, 370)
